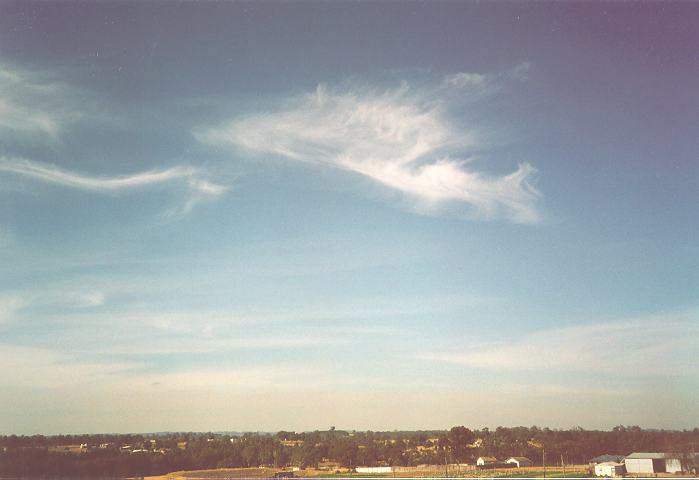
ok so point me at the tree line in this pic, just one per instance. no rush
(106, 456)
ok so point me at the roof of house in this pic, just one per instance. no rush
(519, 459)
(654, 456)
(613, 464)
(607, 458)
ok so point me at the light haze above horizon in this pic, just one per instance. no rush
(233, 216)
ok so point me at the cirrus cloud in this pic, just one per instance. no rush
(36, 106)
(402, 138)
(656, 345)
(198, 186)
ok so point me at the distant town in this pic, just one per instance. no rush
(458, 452)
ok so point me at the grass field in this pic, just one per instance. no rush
(579, 471)
(217, 474)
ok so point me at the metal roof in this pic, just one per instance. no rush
(653, 456)
(607, 458)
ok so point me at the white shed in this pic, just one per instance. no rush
(609, 469)
(374, 469)
(519, 461)
(652, 463)
(672, 464)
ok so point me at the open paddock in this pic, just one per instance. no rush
(433, 471)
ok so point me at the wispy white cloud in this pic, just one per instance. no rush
(160, 333)
(401, 138)
(46, 368)
(466, 80)
(276, 376)
(37, 107)
(198, 186)
(89, 299)
(649, 346)
(15, 117)
(33, 105)
(152, 342)
(39, 367)
(9, 305)
(521, 71)
(52, 174)
(590, 389)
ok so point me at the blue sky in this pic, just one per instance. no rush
(263, 216)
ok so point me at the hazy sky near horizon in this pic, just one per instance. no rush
(387, 215)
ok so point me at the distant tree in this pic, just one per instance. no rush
(459, 438)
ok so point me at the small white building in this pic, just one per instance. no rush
(609, 469)
(673, 465)
(374, 469)
(519, 461)
(482, 461)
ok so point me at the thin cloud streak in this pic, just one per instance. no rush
(12, 303)
(655, 346)
(52, 174)
(465, 80)
(401, 138)
(35, 107)
(199, 187)
(42, 368)
(275, 376)
(593, 389)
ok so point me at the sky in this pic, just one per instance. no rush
(371, 215)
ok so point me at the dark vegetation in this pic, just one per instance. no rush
(105, 456)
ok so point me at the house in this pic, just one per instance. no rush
(607, 458)
(520, 461)
(483, 461)
(610, 469)
(652, 463)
